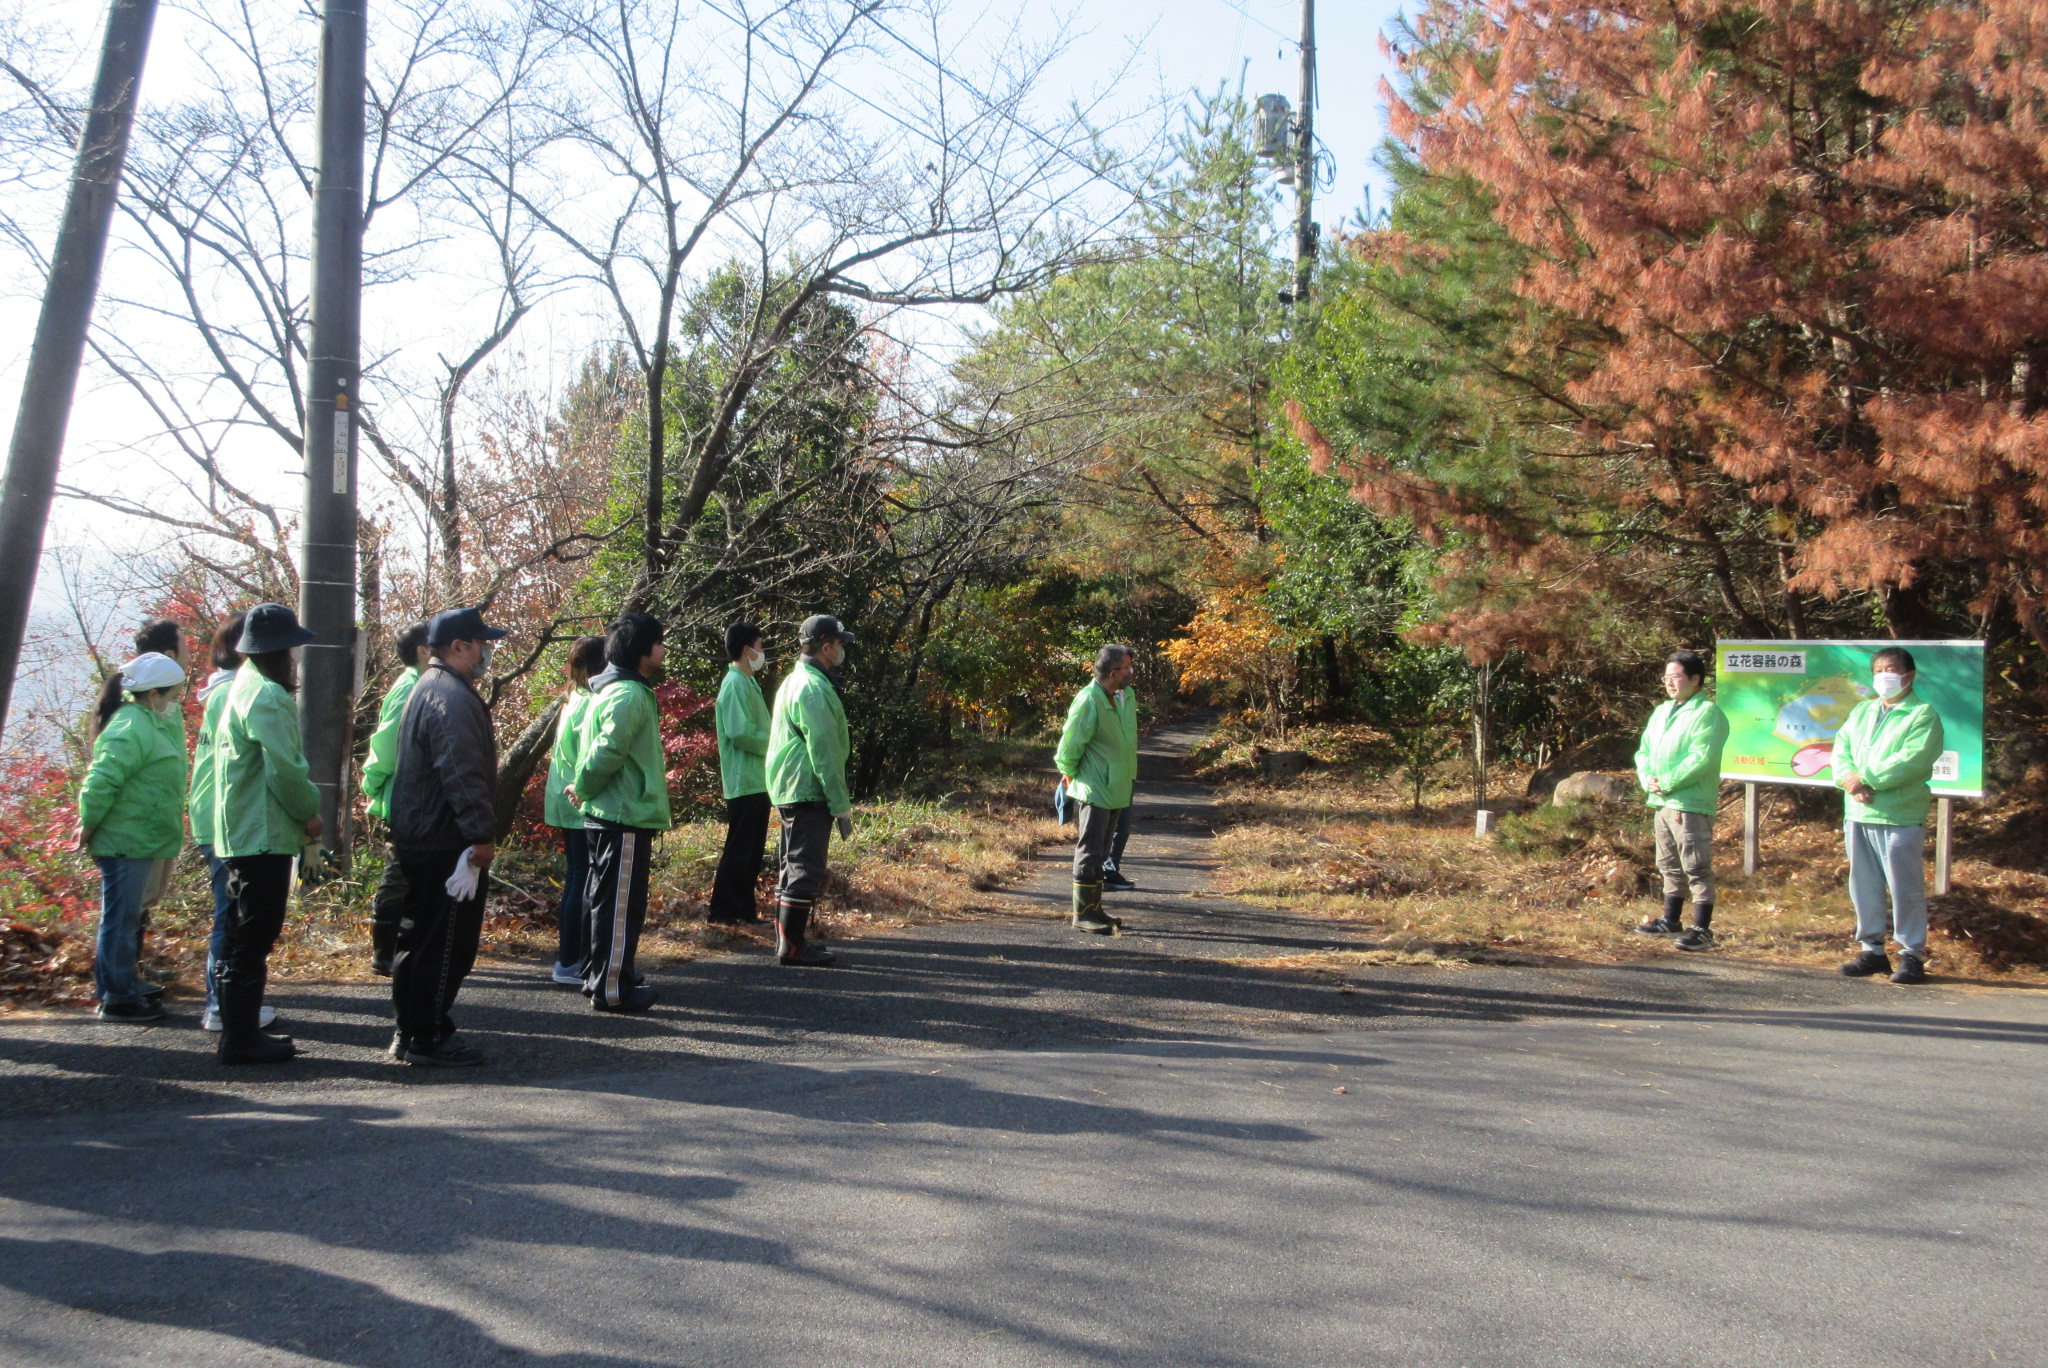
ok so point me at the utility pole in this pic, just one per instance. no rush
(327, 570)
(1305, 165)
(59, 347)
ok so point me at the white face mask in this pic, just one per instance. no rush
(1887, 684)
(163, 705)
(752, 659)
(485, 650)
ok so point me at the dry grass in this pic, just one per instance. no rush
(912, 860)
(1558, 884)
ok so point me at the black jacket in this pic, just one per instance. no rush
(443, 795)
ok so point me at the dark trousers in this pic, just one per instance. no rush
(739, 864)
(260, 886)
(572, 922)
(436, 948)
(617, 899)
(806, 840)
(1122, 838)
(1095, 830)
(388, 908)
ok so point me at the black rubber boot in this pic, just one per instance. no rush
(1088, 913)
(1668, 924)
(791, 921)
(242, 1038)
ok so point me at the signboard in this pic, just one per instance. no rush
(1785, 700)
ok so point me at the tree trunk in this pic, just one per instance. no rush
(516, 769)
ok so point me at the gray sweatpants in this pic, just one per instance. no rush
(1685, 853)
(1888, 861)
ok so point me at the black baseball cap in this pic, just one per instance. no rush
(461, 624)
(271, 627)
(823, 627)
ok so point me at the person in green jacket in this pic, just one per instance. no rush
(1679, 767)
(265, 809)
(621, 783)
(743, 726)
(1883, 757)
(388, 904)
(1098, 762)
(572, 921)
(164, 636)
(213, 698)
(131, 812)
(807, 749)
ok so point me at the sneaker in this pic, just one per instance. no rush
(631, 1002)
(1868, 963)
(1695, 938)
(1112, 879)
(1659, 926)
(1912, 969)
(568, 975)
(131, 1013)
(445, 1054)
(152, 990)
(266, 1017)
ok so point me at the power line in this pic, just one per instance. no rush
(1278, 33)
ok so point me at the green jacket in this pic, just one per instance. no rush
(262, 796)
(620, 771)
(1682, 747)
(199, 797)
(807, 741)
(743, 724)
(382, 765)
(557, 810)
(1893, 750)
(1099, 747)
(133, 799)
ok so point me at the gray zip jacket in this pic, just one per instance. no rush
(443, 796)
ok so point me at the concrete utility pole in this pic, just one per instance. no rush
(59, 346)
(327, 571)
(1305, 234)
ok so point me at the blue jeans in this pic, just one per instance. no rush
(223, 914)
(122, 882)
(1888, 863)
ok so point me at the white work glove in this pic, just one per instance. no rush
(844, 821)
(462, 883)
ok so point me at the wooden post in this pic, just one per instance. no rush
(1944, 809)
(1749, 841)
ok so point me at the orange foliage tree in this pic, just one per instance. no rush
(1782, 271)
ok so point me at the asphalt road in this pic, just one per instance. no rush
(1008, 1144)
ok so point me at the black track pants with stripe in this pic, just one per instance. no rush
(616, 903)
(436, 946)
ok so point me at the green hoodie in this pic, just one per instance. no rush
(807, 741)
(743, 726)
(620, 774)
(1893, 750)
(1682, 748)
(1098, 750)
(262, 796)
(133, 799)
(382, 766)
(199, 797)
(557, 810)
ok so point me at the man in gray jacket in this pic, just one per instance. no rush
(443, 827)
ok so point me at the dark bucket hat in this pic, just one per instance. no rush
(271, 627)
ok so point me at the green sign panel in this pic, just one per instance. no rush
(1785, 700)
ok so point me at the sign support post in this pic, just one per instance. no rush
(1944, 814)
(1749, 831)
